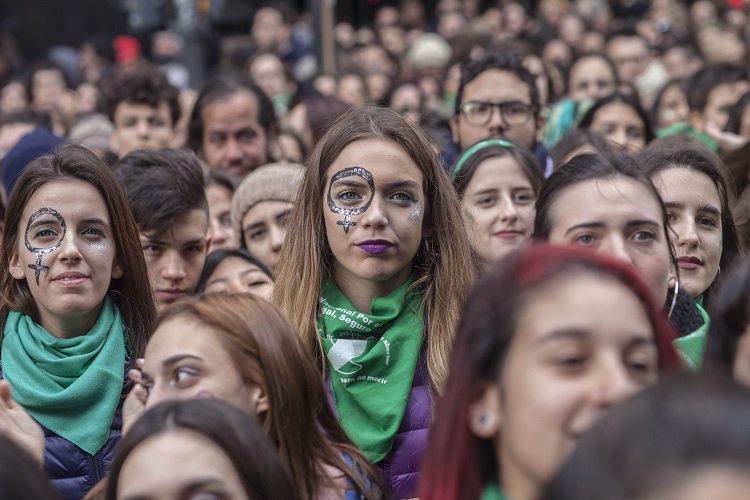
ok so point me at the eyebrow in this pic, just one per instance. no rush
(598, 225)
(636, 340)
(349, 182)
(95, 220)
(177, 358)
(402, 184)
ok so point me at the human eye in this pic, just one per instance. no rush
(635, 132)
(257, 234)
(152, 249)
(195, 248)
(671, 217)
(642, 362)
(644, 235)
(585, 239)
(706, 221)
(45, 234)
(403, 196)
(570, 359)
(225, 220)
(185, 376)
(515, 108)
(523, 197)
(94, 232)
(350, 196)
(254, 283)
(217, 139)
(486, 201)
(477, 109)
(246, 135)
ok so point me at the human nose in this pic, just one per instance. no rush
(143, 128)
(496, 119)
(613, 383)
(686, 233)
(277, 237)
(217, 233)
(69, 251)
(234, 151)
(508, 209)
(173, 268)
(617, 248)
(619, 136)
(375, 215)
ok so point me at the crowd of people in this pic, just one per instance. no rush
(498, 254)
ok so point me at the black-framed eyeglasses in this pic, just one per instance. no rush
(480, 112)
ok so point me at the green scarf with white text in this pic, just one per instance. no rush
(71, 386)
(371, 360)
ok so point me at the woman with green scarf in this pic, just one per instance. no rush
(372, 276)
(76, 310)
(691, 181)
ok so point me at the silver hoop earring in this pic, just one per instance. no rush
(674, 297)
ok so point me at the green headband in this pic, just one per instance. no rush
(475, 148)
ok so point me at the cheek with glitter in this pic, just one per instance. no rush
(416, 214)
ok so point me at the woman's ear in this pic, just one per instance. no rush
(15, 267)
(117, 271)
(485, 413)
(259, 400)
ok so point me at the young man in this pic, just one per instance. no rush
(712, 92)
(144, 108)
(497, 97)
(233, 125)
(166, 195)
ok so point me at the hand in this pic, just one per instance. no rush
(135, 402)
(727, 141)
(19, 426)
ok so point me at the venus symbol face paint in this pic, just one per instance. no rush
(351, 201)
(44, 236)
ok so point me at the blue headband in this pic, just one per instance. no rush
(478, 147)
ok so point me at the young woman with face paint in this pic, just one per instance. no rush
(609, 205)
(690, 179)
(76, 309)
(239, 348)
(498, 182)
(372, 275)
(549, 340)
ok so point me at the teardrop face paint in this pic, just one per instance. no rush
(45, 241)
(359, 204)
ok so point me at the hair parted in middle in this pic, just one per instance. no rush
(444, 269)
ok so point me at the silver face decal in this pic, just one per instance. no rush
(348, 212)
(42, 249)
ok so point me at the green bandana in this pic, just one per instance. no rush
(371, 360)
(492, 492)
(691, 347)
(71, 386)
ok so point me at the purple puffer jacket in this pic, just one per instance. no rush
(399, 471)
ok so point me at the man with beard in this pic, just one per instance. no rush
(233, 125)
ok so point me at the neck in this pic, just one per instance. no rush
(67, 327)
(516, 484)
(360, 292)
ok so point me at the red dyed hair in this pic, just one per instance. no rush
(458, 464)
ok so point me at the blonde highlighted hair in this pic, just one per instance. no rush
(444, 268)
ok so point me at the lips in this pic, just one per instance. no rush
(169, 295)
(508, 234)
(689, 263)
(70, 279)
(375, 247)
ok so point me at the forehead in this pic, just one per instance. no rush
(183, 334)
(188, 226)
(237, 109)
(384, 159)
(70, 197)
(728, 92)
(626, 45)
(232, 266)
(496, 85)
(590, 67)
(611, 202)
(687, 184)
(617, 112)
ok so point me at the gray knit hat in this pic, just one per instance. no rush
(272, 182)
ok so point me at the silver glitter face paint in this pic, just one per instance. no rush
(416, 214)
(41, 251)
(348, 212)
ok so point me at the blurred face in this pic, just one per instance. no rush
(591, 78)
(66, 254)
(175, 258)
(264, 230)
(745, 123)
(741, 367)
(407, 100)
(47, 87)
(694, 209)
(267, 71)
(233, 139)
(727, 482)
(185, 360)
(139, 126)
(720, 102)
(621, 126)
(494, 87)
(179, 464)
(351, 90)
(220, 230)
(616, 217)
(498, 206)
(673, 107)
(13, 98)
(236, 275)
(373, 210)
(630, 56)
(583, 344)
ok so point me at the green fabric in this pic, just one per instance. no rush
(690, 131)
(371, 359)
(492, 492)
(691, 346)
(71, 386)
(562, 119)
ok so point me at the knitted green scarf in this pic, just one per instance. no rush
(372, 359)
(71, 386)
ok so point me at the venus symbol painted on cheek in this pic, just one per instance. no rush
(348, 212)
(44, 247)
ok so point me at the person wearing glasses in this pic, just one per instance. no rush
(497, 98)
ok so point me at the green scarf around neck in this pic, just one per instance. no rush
(371, 359)
(71, 386)
(492, 492)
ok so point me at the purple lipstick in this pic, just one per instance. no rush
(375, 247)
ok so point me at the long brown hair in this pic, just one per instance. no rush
(267, 353)
(443, 267)
(132, 292)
